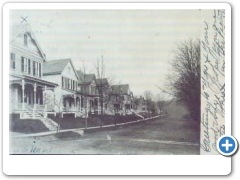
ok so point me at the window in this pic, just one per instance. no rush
(63, 82)
(40, 69)
(36, 69)
(25, 39)
(24, 65)
(34, 72)
(68, 83)
(29, 66)
(13, 61)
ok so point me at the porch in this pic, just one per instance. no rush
(80, 104)
(28, 97)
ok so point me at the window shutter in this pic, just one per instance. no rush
(22, 64)
(36, 71)
(12, 62)
(34, 68)
(40, 69)
(29, 66)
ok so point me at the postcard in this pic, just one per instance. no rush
(117, 88)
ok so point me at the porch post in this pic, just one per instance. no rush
(16, 96)
(54, 100)
(80, 102)
(35, 94)
(98, 105)
(44, 100)
(35, 98)
(87, 101)
(23, 88)
(62, 97)
(75, 103)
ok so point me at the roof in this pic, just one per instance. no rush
(120, 89)
(18, 78)
(141, 98)
(85, 78)
(15, 30)
(54, 66)
(102, 81)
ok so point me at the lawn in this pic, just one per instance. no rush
(162, 135)
(27, 126)
(69, 122)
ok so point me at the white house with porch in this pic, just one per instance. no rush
(27, 87)
(65, 98)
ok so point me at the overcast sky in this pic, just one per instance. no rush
(136, 45)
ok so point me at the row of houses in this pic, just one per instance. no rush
(39, 87)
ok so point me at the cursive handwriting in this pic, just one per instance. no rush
(32, 150)
(218, 132)
(205, 145)
(212, 81)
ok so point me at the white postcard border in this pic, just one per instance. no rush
(116, 164)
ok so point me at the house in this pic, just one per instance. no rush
(140, 104)
(27, 86)
(103, 88)
(121, 98)
(87, 88)
(66, 98)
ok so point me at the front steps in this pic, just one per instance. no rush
(137, 114)
(50, 124)
(30, 114)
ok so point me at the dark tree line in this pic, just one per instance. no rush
(184, 82)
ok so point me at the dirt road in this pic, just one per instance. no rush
(169, 135)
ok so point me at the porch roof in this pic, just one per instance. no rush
(85, 94)
(18, 79)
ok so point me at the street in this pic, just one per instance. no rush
(170, 135)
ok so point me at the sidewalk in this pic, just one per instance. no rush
(21, 135)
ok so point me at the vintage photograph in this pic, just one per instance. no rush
(114, 82)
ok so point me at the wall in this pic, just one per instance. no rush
(30, 52)
(68, 72)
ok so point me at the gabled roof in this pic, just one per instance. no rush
(56, 66)
(85, 78)
(102, 81)
(141, 98)
(24, 28)
(120, 89)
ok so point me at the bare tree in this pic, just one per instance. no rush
(100, 68)
(83, 89)
(58, 102)
(136, 102)
(111, 79)
(184, 82)
(148, 97)
(160, 101)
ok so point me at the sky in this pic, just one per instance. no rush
(136, 45)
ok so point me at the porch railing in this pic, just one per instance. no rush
(16, 106)
(40, 109)
(69, 109)
(28, 108)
